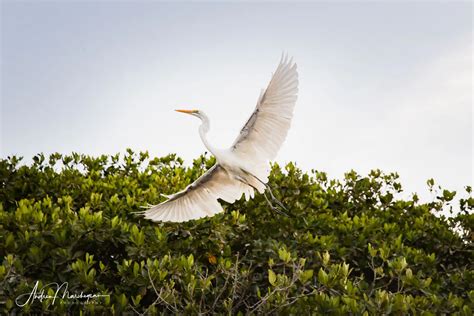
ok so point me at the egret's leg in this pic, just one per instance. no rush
(274, 199)
(274, 208)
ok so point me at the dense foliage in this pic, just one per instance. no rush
(352, 246)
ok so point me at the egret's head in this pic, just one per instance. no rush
(192, 112)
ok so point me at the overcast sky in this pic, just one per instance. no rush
(382, 85)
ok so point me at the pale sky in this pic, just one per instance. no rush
(382, 85)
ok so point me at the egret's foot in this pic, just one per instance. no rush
(279, 211)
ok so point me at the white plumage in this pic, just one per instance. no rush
(244, 167)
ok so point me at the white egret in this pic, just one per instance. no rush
(244, 167)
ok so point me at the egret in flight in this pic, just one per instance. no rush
(243, 168)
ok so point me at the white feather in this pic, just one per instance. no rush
(241, 169)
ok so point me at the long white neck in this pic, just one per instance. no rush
(203, 129)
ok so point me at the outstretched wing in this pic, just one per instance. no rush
(266, 130)
(199, 199)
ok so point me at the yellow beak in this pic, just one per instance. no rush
(187, 111)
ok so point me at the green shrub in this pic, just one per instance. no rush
(352, 246)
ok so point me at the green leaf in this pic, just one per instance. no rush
(322, 277)
(190, 260)
(284, 255)
(271, 277)
(326, 258)
(136, 300)
(306, 275)
(448, 195)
